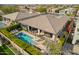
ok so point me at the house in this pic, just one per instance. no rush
(45, 26)
(47, 23)
(52, 24)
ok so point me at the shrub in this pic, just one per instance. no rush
(8, 9)
(13, 27)
(40, 9)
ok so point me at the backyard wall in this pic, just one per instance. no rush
(18, 48)
(15, 46)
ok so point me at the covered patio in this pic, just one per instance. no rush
(38, 32)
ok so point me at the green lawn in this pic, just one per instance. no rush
(4, 50)
(30, 49)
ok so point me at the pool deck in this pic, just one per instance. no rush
(39, 44)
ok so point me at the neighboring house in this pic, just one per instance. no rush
(67, 11)
(9, 18)
(78, 13)
(17, 16)
(22, 8)
(51, 10)
(76, 33)
(27, 8)
(75, 49)
(62, 12)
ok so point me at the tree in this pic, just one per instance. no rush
(8, 9)
(41, 9)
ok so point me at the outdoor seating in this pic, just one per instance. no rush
(14, 31)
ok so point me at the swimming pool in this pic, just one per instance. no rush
(2, 25)
(24, 37)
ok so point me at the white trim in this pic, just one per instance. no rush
(11, 49)
(53, 38)
(38, 31)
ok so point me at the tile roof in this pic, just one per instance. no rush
(19, 15)
(47, 22)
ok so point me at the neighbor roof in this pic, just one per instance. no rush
(75, 49)
(47, 22)
(18, 15)
(11, 16)
(76, 33)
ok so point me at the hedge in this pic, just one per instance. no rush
(40, 9)
(5, 50)
(9, 9)
(16, 26)
(56, 49)
(30, 49)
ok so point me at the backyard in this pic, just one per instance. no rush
(30, 49)
(54, 48)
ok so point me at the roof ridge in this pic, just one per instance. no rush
(17, 15)
(53, 25)
(50, 22)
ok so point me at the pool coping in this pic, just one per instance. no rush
(39, 45)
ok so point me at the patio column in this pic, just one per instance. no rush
(73, 41)
(28, 28)
(3, 18)
(38, 31)
(53, 37)
(0, 42)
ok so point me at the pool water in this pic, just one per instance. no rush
(25, 38)
(2, 25)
